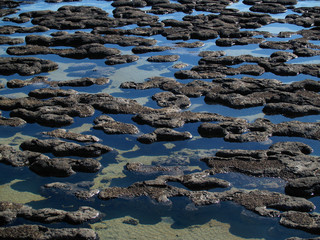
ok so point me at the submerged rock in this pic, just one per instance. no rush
(37, 232)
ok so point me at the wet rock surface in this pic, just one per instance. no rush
(63, 148)
(40, 232)
(45, 166)
(110, 126)
(164, 134)
(289, 160)
(295, 99)
(132, 27)
(63, 133)
(11, 211)
(25, 66)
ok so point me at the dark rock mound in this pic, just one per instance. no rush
(168, 99)
(303, 187)
(163, 58)
(12, 122)
(64, 167)
(44, 166)
(46, 215)
(62, 148)
(110, 126)
(44, 93)
(146, 49)
(175, 119)
(164, 134)
(36, 232)
(25, 66)
(10, 41)
(304, 221)
(121, 59)
(287, 160)
(62, 133)
(268, 8)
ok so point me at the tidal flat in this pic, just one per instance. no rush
(159, 119)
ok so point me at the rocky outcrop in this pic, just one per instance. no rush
(110, 126)
(10, 211)
(288, 160)
(309, 222)
(10, 41)
(177, 119)
(12, 122)
(37, 232)
(273, 8)
(25, 66)
(91, 50)
(45, 166)
(146, 49)
(80, 189)
(264, 203)
(54, 116)
(80, 82)
(164, 134)
(163, 58)
(121, 59)
(140, 168)
(45, 93)
(169, 99)
(303, 187)
(79, 39)
(63, 148)
(293, 100)
(17, 29)
(260, 130)
(63, 133)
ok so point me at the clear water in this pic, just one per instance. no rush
(225, 220)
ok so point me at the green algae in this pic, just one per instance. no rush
(86, 127)
(177, 158)
(8, 194)
(119, 229)
(15, 140)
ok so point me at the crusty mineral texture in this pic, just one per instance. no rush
(63, 148)
(25, 66)
(11, 211)
(288, 160)
(164, 134)
(110, 126)
(37, 232)
(45, 166)
(63, 133)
